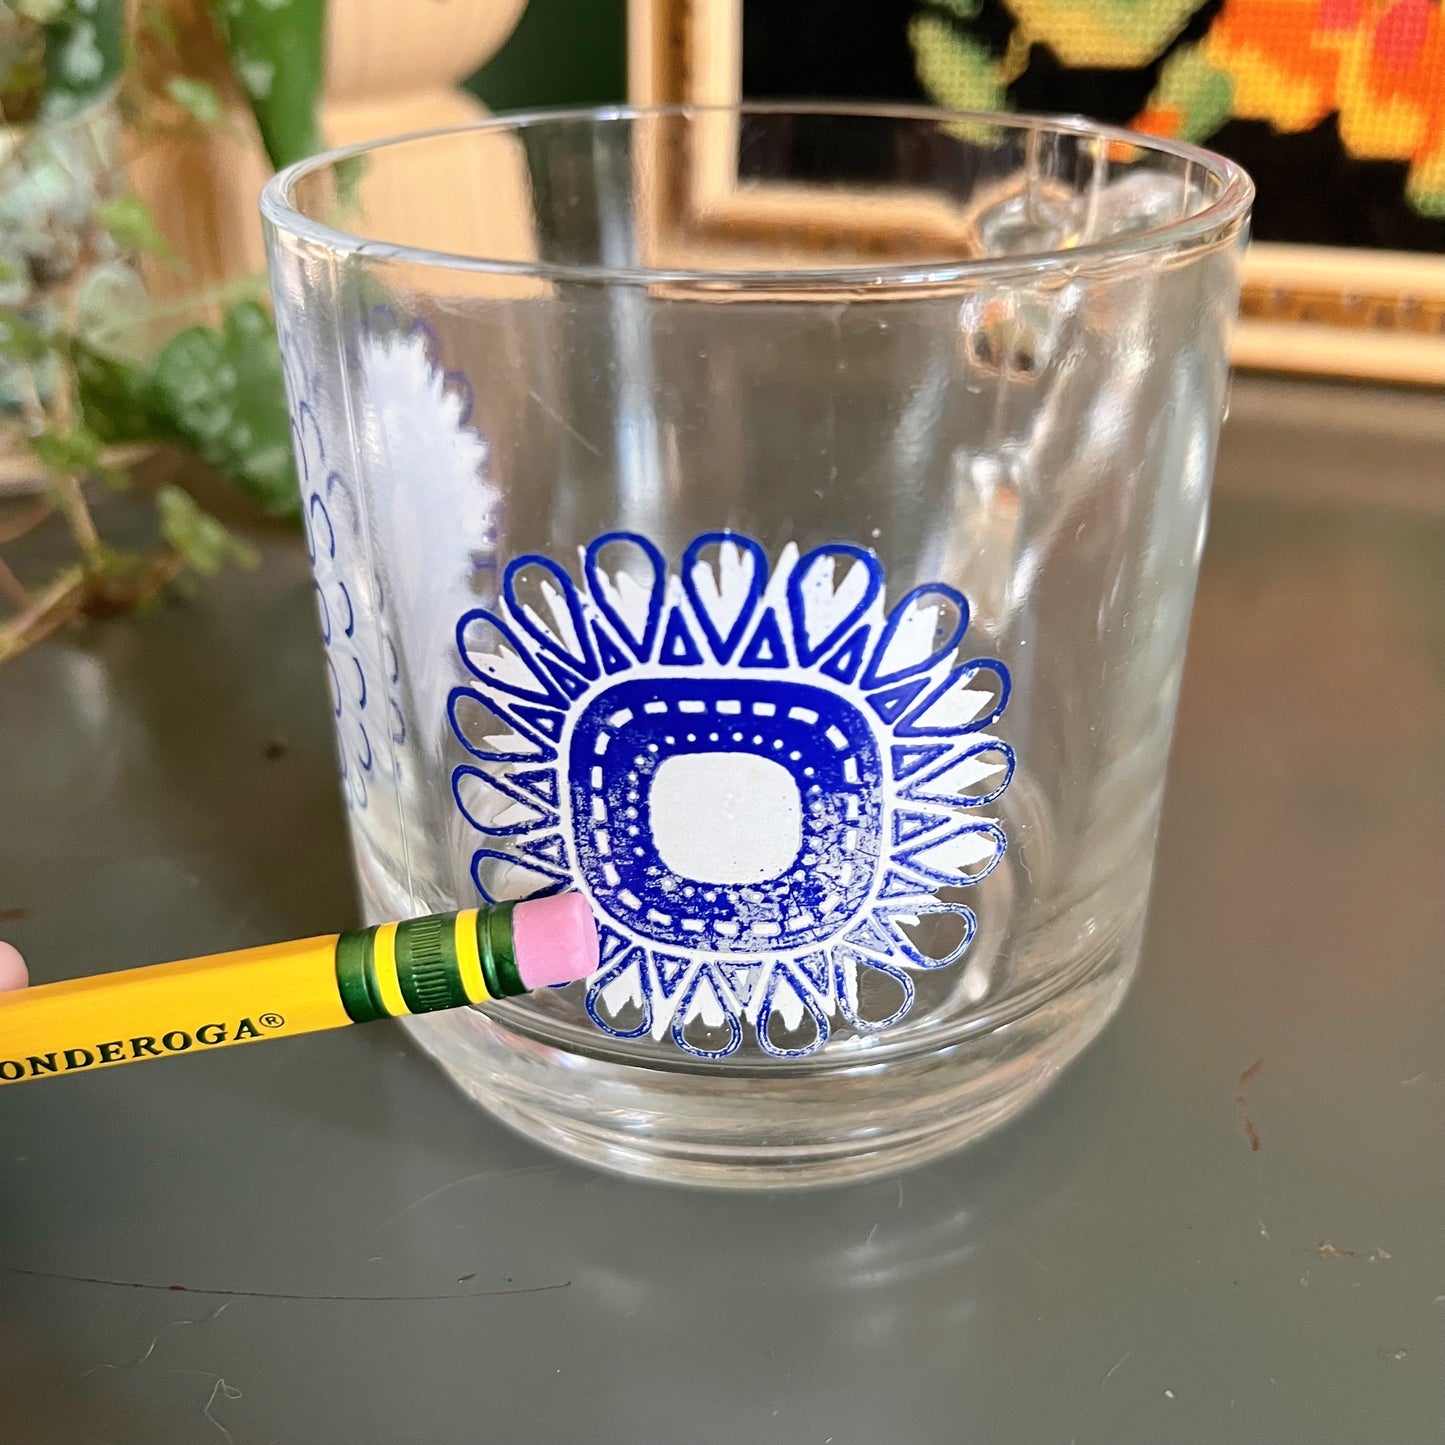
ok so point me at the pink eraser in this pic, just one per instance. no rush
(13, 973)
(555, 940)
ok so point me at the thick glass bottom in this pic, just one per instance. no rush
(818, 1123)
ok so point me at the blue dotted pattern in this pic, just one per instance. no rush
(823, 742)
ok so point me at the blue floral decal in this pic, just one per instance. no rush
(363, 687)
(760, 777)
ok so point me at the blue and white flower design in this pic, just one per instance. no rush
(362, 677)
(760, 777)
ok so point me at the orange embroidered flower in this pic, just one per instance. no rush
(1378, 65)
(1391, 96)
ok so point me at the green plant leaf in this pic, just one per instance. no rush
(131, 225)
(204, 542)
(69, 453)
(221, 393)
(115, 398)
(197, 97)
(276, 49)
(84, 53)
(20, 339)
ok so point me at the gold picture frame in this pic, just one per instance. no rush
(1319, 310)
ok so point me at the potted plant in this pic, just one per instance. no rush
(122, 122)
(93, 374)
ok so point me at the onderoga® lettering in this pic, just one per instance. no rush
(446, 960)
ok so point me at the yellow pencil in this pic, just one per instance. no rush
(446, 960)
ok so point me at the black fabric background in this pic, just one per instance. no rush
(1310, 189)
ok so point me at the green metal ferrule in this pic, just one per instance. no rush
(499, 956)
(420, 955)
(356, 976)
(426, 964)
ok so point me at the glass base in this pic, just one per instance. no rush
(760, 1128)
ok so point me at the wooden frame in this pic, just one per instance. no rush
(1321, 310)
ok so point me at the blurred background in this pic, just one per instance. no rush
(563, 52)
(136, 346)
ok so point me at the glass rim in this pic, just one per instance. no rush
(1206, 227)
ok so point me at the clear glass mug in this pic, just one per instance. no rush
(780, 524)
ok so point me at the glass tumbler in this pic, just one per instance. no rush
(779, 524)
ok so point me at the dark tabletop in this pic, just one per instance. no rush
(1227, 1223)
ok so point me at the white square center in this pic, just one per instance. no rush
(723, 817)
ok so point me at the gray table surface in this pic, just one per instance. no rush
(1227, 1223)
